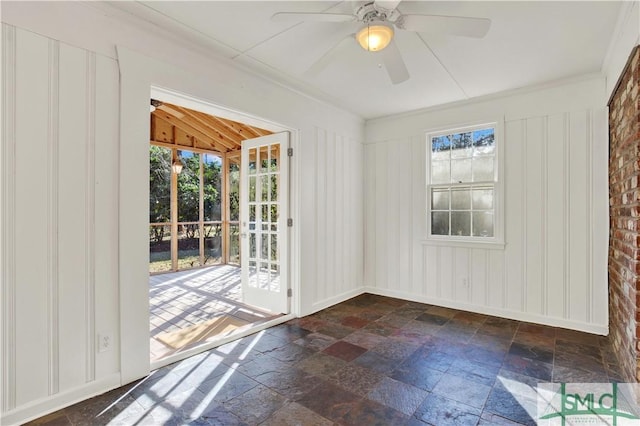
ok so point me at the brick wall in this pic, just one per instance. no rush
(624, 209)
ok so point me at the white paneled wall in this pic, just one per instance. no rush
(552, 268)
(60, 179)
(337, 257)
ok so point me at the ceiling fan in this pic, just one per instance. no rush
(379, 18)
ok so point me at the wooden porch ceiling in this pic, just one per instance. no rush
(184, 128)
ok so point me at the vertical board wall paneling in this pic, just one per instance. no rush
(533, 209)
(391, 229)
(404, 234)
(8, 205)
(72, 224)
(418, 209)
(579, 228)
(106, 212)
(370, 202)
(53, 153)
(321, 220)
(330, 230)
(31, 193)
(514, 214)
(556, 235)
(381, 260)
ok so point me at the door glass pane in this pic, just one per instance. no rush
(234, 244)
(274, 186)
(461, 199)
(264, 160)
(274, 162)
(252, 245)
(440, 223)
(252, 213)
(461, 223)
(212, 185)
(264, 249)
(253, 274)
(265, 188)
(264, 276)
(253, 152)
(252, 189)
(265, 212)
(274, 213)
(274, 247)
(275, 278)
(440, 199)
(482, 224)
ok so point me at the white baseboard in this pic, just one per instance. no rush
(327, 303)
(488, 310)
(44, 406)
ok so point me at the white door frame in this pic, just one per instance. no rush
(140, 78)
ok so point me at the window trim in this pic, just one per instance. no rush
(495, 242)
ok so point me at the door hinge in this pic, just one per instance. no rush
(289, 292)
(289, 222)
(290, 152)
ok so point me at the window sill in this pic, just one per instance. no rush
(486, 245)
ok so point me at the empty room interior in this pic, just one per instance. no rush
(317, 212)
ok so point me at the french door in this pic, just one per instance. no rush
(264, 206)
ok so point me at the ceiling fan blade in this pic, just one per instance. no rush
(394, 64)
(448, 25)
(386, 4)
(312, 17)
(328, 56)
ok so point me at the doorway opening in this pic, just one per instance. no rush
(216, 247)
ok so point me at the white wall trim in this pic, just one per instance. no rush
(41, 407)
(90, 216)
(8, 217)
(504, 313)
(52, 215)
(326, 303)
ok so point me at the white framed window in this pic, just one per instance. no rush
(463, 186)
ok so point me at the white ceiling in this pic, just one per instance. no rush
(528, 43)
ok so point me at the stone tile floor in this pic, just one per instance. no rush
(183, 299)
(368, 361)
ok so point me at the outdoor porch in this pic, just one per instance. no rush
(198, 305)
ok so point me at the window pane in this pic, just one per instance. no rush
(440, 199)
(461, 145)
(482, 224)
(482, 199)
(252, 160)
(483, 169)
(461, 170)
(440, 147)
(484, 142)
(461, 223)
(461, 199)
(159, 184)
(440, 223)
(440, 172)
(211, 178)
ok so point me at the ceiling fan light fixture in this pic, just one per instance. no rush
(375, 36)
